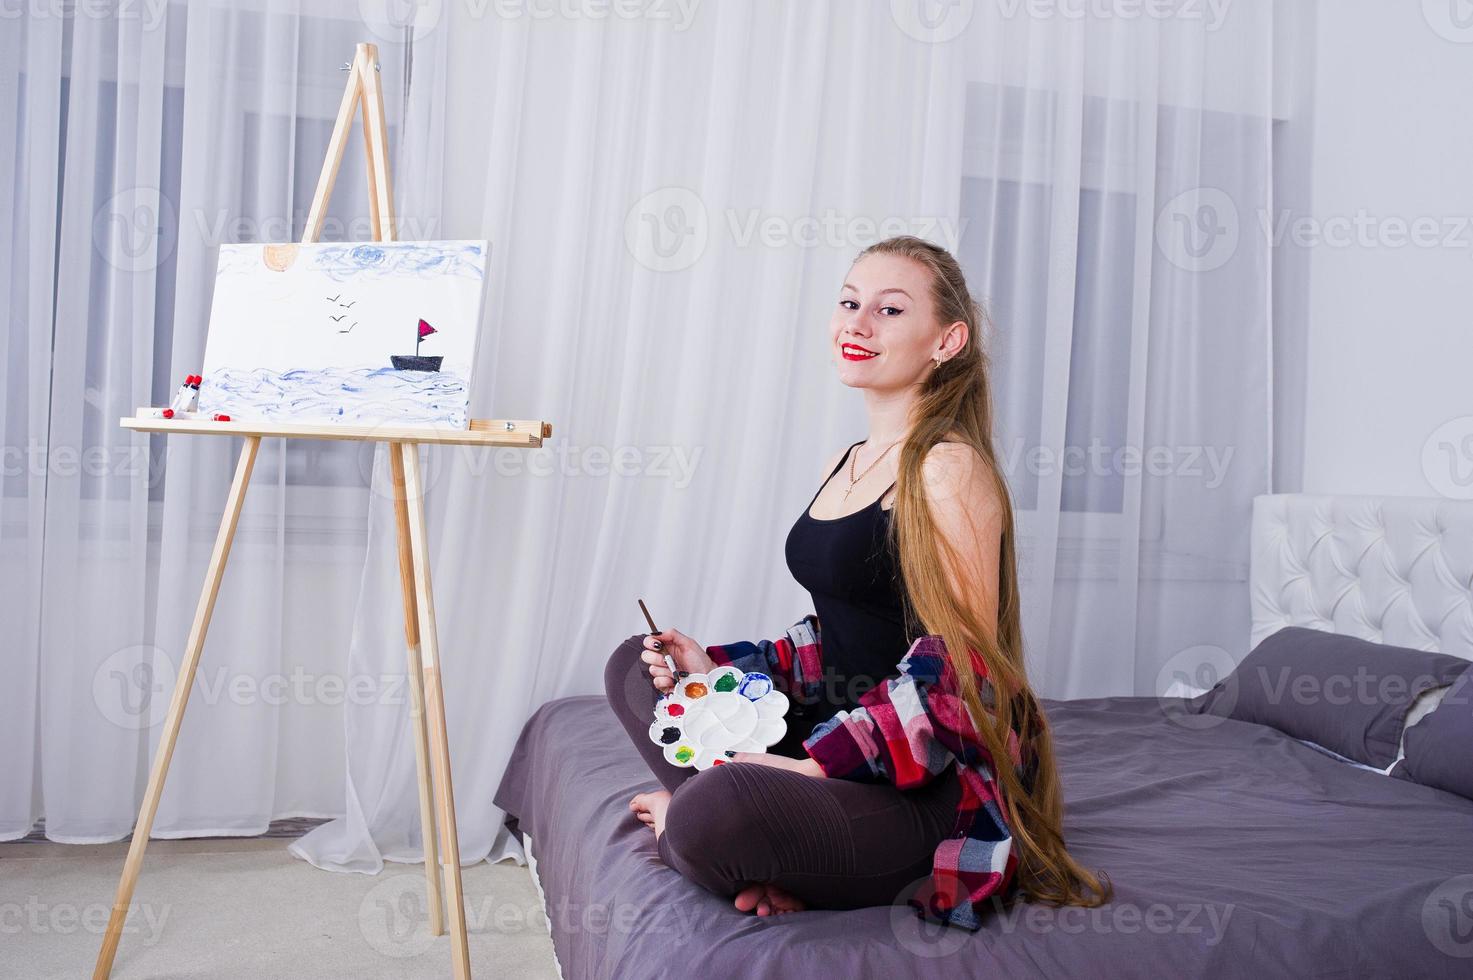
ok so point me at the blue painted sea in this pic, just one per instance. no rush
(346, 396)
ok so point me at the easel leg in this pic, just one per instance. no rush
(435, 709)
(417, 696)
(175, 715)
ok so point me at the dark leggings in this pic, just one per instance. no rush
(833, 843)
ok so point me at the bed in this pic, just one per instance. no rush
(1235, 850)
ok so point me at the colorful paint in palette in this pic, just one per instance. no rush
(708, 716)
(668, 710)
(723, 679)
(755, 686)
(681, 753)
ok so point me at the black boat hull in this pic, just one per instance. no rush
(414, 362)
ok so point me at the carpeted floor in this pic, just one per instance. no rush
(245, 908)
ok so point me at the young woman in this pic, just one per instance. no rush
(907, 682)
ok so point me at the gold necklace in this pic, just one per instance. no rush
(855, 479)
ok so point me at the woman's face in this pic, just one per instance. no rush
(884, 330)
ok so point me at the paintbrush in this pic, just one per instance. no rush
(669, 660)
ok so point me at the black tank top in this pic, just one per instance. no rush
(849, 567)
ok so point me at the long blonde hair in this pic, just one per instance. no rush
(955, 403)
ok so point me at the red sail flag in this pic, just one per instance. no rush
(425, 329)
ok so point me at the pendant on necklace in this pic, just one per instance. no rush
(849, 491)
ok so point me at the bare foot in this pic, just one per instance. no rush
(766, 898)
(650, 809)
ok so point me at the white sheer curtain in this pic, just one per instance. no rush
(672, 199)
(136, 140)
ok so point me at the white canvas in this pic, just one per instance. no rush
(325, 332)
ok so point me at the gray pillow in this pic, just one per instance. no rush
(1344, 693)
(1438, 747)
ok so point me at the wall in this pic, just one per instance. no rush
(1389, 342)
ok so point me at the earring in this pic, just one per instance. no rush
(937, 360)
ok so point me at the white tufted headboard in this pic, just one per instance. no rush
(1395, 570)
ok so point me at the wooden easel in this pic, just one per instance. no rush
(427, 710)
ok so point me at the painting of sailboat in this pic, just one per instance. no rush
(416, 362)
(320, 332)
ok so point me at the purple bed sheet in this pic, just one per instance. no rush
(1235, 850)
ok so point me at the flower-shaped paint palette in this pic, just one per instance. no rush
(711, 714)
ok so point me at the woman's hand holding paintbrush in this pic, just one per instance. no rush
(667, 651)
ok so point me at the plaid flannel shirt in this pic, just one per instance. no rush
(792, 660)
(907, 731)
